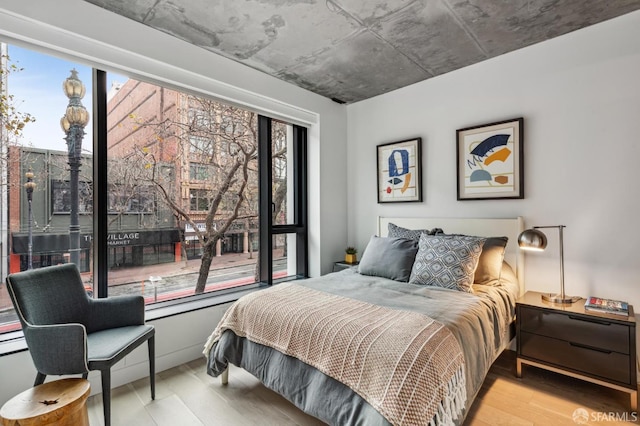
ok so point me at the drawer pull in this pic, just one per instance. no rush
(589, 320)
(578, 345)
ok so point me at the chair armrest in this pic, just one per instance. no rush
(58, 349)
(111, 312)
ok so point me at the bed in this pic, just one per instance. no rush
(380, 343)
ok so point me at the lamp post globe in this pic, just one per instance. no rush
(72, 123)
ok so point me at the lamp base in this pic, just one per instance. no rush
(557, 298)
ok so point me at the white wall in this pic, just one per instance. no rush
(94, 36)
(579, 95)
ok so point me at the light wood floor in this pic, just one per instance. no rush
(186, 395)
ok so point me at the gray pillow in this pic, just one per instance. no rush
(489, 268)
(447, 261)
(389, 258)
(412, 234)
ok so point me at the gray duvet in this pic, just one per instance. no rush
(481, 321)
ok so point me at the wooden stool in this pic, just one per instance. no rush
(59, 403)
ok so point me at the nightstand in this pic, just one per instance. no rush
(339, 266)
(599, 348)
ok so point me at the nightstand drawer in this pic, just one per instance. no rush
(596, 363)
(589, 331)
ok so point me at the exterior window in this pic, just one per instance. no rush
(61, 197)
(180, 183)
(131, 199)
(199, 118)
(198, 171)
(199, 200)
(199, 145)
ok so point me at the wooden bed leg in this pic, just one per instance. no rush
(518, 368)
(224, 377)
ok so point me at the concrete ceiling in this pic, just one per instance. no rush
(350, 50)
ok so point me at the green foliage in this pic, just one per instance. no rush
(351, 250)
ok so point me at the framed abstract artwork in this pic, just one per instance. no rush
(399, 173)
(490, 161)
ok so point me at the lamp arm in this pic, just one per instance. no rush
(560, 228)
(551, 226)
(562, 295)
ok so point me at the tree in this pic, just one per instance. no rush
(215, 150)
(12, 120)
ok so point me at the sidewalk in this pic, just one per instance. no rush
(141, 273)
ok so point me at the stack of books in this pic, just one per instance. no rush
(607, 306)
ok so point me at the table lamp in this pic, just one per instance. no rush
(535, 240)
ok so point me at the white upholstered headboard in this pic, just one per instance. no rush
(510, 228)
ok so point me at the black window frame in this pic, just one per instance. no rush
(99, 260)
(266, 228)
(299, 225)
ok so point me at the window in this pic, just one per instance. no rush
(283, 165)
(180, 210)
(199, 200)
(56, 226)
(205, 180)
(131, 199)
(199, 118)
(61, 197)
(200, 145)
(198, 171)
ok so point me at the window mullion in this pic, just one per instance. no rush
(300, 195)
(100, 198)
(266, 200)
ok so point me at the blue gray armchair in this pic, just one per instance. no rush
(68, 332)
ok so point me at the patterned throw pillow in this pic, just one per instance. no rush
(489, 268)
(412, 234)
(447, 261)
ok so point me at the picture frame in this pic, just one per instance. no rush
(399, 171)
(490, 161)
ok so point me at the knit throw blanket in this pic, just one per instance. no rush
(406, 365)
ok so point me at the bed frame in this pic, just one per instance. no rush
(511, 228)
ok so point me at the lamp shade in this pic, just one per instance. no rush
(532, 239)
(75, 115)
(73, 87)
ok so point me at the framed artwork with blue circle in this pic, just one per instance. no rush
(399, 171)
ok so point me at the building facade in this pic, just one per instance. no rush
(142, 233)
(147, 124)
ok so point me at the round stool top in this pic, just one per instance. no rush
(41, 401)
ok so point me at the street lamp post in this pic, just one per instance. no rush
(29, 186)
(73, 122)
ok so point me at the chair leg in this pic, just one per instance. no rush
(39, 379)
(106, 396)
(152, 365)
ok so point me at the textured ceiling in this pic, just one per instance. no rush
(350, 50)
